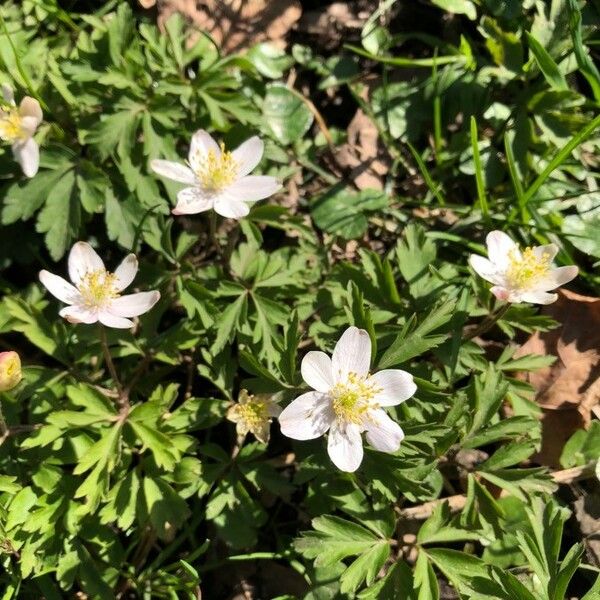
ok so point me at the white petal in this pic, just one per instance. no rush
(230, 208)
(558, 277)
(30, 108)
(29, 124)
(536, 297)
(133, 305)
(396, 386)
(383, 433)
(125, 273)
(8, 94)
(352, 354)
(191, 201)
(112, 321)
(316, 371)
(59, 287)
(248, 155)
(79, 314)
(201, 144)
(173, 170)
(549, 251)
(344, 446)
(83, 259)
(27, 154)
(485, 268)
(308, 417)
(253, 187)
(499, 246)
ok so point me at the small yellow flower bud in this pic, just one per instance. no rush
(10, 371)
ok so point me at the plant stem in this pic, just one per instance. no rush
(488, 323)
(122, 400)
(212, 220)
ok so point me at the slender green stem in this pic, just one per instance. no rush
(487, 323)
(122, 400)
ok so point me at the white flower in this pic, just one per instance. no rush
(95, 295)
(253, 414)
(218, 179)
(348, 401)
(521, 275)
(17, 126)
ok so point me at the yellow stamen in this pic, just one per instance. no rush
(215, 172)
(11, 126)
(352, 399)
(98, 287)
(528, 269)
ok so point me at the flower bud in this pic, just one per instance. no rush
(10, 371)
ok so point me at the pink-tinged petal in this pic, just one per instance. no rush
(191, 201)
(83, 259)
(501, 293)
(8, 94)
(558, 277)
(172, 170)
(79, 314)
(230, 208)
(27, 154)
(253, 187)
(316, 371)
(30, 108)
(113, 321)
(499, 247)
(383, 434)
(548, 252)
(202, 143)
(125, 273)
(344, 446)
(59, 287)
(394, 385)
(133, 305)
(248, 155)
(485, 269)
(352, 354)
(308, 417)
(537, 297)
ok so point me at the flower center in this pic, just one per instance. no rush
(353, 398)
(528, 269)
(11, 126)
(254, 412)
(97, 288)
(217, 171)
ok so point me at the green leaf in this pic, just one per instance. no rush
(459, 7)
(269, 60)
(165, 454)
(60, 217)
(408, 345)
(23, 199)
(365, 567)
(546, 63)
(585, 63)
(343, 212)
(286, 114)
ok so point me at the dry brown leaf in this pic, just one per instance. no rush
(363, 154)
(236, 25)
(568, 390)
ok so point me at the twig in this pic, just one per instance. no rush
(457, 503)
